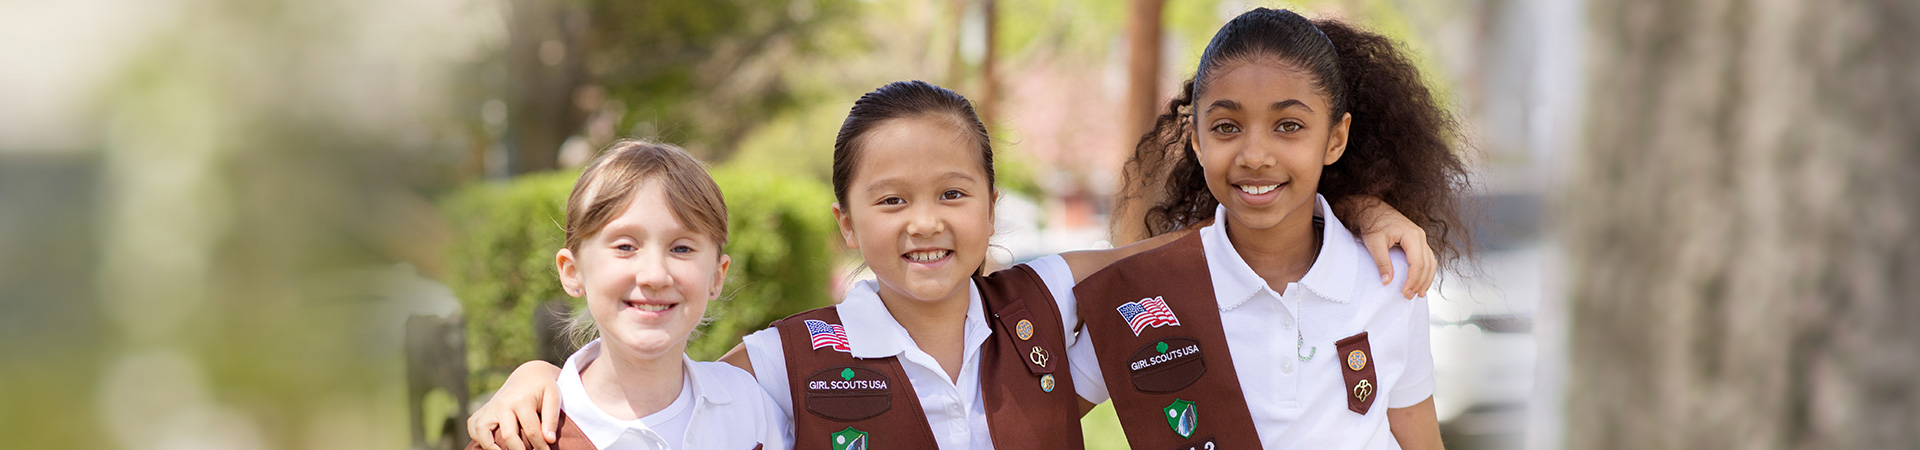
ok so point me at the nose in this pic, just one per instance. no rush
(1256, 155)
(924, 222)
(650, 272)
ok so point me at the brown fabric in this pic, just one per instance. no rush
(1195, 365)
(1356, 367)
(1021, 414)
(868, 395)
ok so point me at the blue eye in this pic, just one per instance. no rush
(626, 247)
(682, 249)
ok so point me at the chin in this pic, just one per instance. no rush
(644, 343)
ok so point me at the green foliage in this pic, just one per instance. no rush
(703, 73)
(500, 264)
(781, 239)
(505, 235)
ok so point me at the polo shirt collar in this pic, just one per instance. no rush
(1234, 281)
(602, 428)
(879, 335)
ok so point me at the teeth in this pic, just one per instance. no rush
(650, 307)
(927, 256)
(1257, 190)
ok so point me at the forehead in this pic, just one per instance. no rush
(647, 208)
(928, 144)
(1258, 83)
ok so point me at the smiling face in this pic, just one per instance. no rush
(1263, 134)
(647, 277)
(919, 208)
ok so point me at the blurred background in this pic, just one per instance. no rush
(241, 224)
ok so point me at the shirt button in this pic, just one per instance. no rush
(1286, 367)
(1287, 322)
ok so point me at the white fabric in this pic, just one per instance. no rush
(1298, 404)
(717, 408)
(956, 412)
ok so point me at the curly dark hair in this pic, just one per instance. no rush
(1400, 147)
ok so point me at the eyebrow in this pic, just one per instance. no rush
(1231, 105)
(951, 174)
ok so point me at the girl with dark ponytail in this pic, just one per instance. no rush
(1287, 127)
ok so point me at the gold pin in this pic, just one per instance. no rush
(1038, 356)
(1356, 360)
(1046, 382)
(1362, 389)
(1024, 329)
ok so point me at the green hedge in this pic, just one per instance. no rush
(500, 262)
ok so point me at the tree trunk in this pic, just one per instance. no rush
(1143, 105)
(1744, 267)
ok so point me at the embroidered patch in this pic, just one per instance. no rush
(850, 439)
(828, 335)
(1166, 366)
(1182, 417)
(1148, 312)
(848, 393)
(1024, 329)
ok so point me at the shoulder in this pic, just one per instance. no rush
(726, 376)
(820, 313)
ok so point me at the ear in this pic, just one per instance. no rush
(719, 277)
(1337, 140)
(569, 273)
(845, 220)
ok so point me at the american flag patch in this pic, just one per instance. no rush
(831, 335)
(1147, 312)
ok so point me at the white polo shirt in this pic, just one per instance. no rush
(718, 408)
(955, 410)
(1303, 404)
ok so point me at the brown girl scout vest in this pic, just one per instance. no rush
(1157, 333)
(845, 403)
(570, 437)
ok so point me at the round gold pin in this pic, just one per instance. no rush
(1046, 382)
(1356, 360)
(1024, 329)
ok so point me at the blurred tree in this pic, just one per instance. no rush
(1143, 105)
(699, 73)
(1742, 219)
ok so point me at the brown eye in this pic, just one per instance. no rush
(1289, 127)
(1226, 128)
(952, 194)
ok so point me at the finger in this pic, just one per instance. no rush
(1378, 247)
(481, 434)
(1422, 274)
(533, 436)
(510, 436)
(550, 414)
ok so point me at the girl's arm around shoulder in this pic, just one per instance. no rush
(523, 414)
